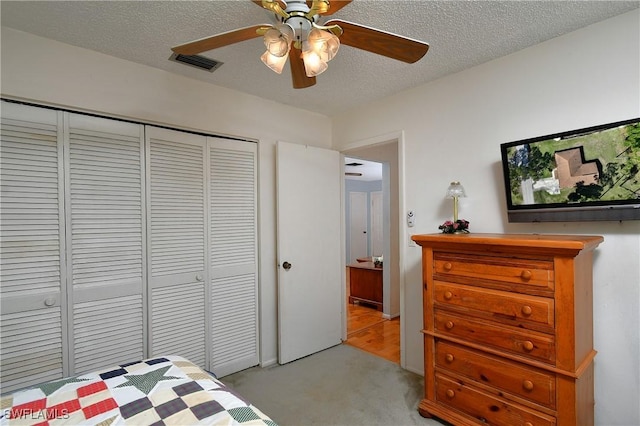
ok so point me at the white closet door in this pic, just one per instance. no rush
(234, 266)
(106, 218)
(32, 327)
(177, 236)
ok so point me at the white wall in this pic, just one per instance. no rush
(453, 128)
(48, 72)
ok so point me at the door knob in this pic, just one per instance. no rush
(286, 266)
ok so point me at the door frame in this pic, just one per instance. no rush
(359, 148)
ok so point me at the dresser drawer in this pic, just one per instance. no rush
(485, 407)
(495, 304)
(535, 385)
(530, 344)
(470, 268)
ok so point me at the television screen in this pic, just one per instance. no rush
(585, 174)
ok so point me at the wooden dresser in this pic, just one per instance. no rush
(508, 328)
(365, 284)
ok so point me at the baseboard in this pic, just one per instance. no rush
(413, 370)
(268, 363)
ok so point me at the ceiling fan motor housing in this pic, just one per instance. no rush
(301, 27)
(298, 19)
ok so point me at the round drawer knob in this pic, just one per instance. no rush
(526, 310)
(449, 357)
(450, 393)
(448, 295)
(527, 345)
(449, 325)
(527, 385)
(447, 266)
(526, 275)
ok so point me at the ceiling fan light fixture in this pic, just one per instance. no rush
(297, 28)
(287, 31)
(276, 42)
(313, 63)
(276, 63)
(324, 43)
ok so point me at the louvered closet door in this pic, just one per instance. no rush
(32, 327)
(177, 273)
(106, 218)
(234, 273)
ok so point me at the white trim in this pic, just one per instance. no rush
(399, 139)
(375, 140)
(65, 293)
(143, 240)
(206, 187)
(104, 114)
(343, 250)
(68, 270)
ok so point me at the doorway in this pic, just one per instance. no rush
(368, 327)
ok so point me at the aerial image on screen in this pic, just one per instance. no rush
(593, 166)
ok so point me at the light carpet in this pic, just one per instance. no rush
(341, 385)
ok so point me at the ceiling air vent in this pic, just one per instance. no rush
(197, 61)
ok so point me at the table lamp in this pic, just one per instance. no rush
(455, 191)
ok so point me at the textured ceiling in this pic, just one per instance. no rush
(461, 34)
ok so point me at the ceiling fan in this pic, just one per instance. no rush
(309, 45)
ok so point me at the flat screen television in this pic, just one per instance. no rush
(581, 175)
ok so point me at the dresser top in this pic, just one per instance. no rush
(549, 241)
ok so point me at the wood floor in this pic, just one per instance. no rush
(369, 331)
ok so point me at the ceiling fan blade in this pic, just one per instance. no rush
(281, 3)
(298, 74)
(324, 7)
(336, 5)
(220, 40)
(275, 6)
(380, 42)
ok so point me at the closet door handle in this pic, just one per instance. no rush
(199, 277)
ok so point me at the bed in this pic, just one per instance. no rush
(158, 391)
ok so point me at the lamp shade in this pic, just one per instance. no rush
(276, 63)
(313, 63)
(276, 42)
(455, 190)
(324, 43)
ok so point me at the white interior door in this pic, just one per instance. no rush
(309, 240)
(375, 212)
(357, 225)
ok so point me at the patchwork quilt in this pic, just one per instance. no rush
(160, 391)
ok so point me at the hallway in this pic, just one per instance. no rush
(369, 331)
